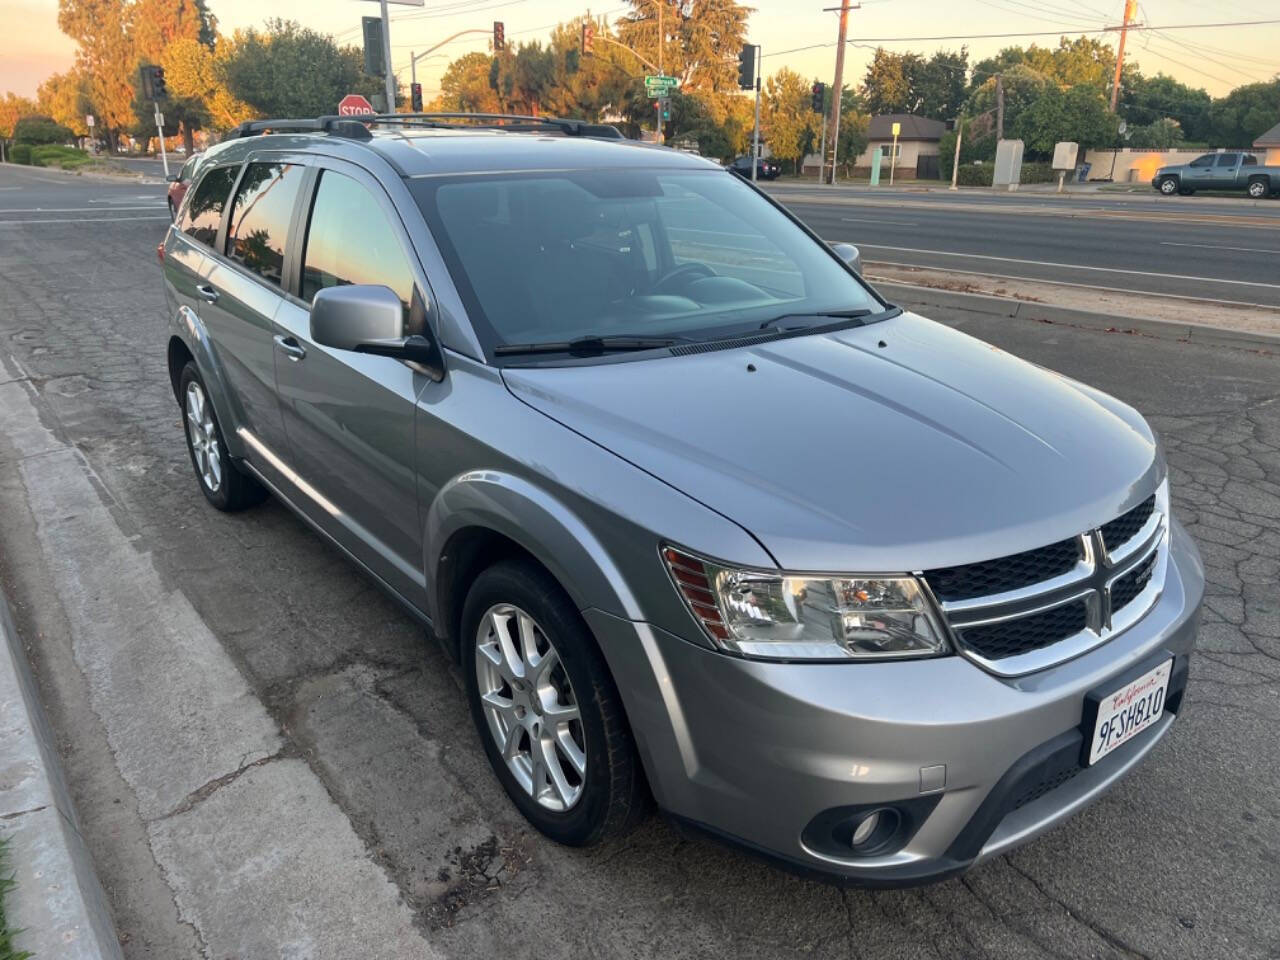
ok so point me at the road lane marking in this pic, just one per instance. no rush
(870, 265)
(900, 223)
(1067, 266)
(1214, 246)
(100, 210)
(10, 223)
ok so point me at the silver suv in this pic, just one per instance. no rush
(702, 517)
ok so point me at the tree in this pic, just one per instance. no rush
(68, 99)
(701, 39)
(853, 138)
(1083, 61)
(908, 83)
(156, 24)
(586, 87)
(1244, 114)
(12, 109)
(292, 71)
(1079, 114)
(194, 72)
(37, 130)
(787, 118)
(1163, 134)
(102, 30)
(1146, 101)
(465, 86)
(1023, 86)
(887, 86)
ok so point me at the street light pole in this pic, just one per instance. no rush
(387, 75)
(755, 135)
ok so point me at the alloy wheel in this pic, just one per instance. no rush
(1257, 190)
(530, 706)
(203, 434)
(1168, 186)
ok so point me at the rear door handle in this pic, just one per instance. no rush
(290, 347)
(207, 293)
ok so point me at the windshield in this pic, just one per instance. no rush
(544, 257)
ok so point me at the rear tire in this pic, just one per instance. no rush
(221, 481)
(1258, 189)
(530, 662)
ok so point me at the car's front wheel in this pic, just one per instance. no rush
(546, 708)
(1169, 186)
(221, 481)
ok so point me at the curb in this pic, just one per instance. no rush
(1197, 333)
(57, 905)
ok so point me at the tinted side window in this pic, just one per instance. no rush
(349, 240)
(204, 212)
(260, 217)
(1250, 160)
(1205, 161)
(188, 170)
(1228, 159)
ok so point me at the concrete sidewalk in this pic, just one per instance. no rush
(57, 903)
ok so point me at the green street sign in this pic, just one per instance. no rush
(659, 85)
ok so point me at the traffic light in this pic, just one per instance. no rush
(415, 97)
(588, 38)
(664, 107)
(499, 36)
(158, 85)
(747, 67)
(819, 96)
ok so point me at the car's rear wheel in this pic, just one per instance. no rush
(1169, 186)
(547, 709)
(221, 481)
(1258, 188)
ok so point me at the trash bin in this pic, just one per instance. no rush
(1083, 174)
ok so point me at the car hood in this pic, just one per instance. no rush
(902, 445)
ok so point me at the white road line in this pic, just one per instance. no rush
(1066, 266)
(1214, 246)
(872, 264)
(900, 223)
(8, 223)
(98, 210)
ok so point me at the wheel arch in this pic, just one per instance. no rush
(481, 517)
(189, 342)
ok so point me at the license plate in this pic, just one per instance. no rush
(1125, 713)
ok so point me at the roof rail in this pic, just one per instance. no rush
(518, 123)
(336, 126)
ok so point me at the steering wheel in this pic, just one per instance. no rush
(687, 271)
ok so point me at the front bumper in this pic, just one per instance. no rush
(754, 751)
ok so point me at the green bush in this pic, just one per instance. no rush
(53, 155)
(981, 174)
(36, 130)
(20, 153)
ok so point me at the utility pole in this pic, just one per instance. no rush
(755, 136)
(838, 87)
(387, 76)
(955, 163)
(999, 107)
(661, 4)
(1130, 9)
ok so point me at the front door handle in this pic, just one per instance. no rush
(290, 347)
(207, 293)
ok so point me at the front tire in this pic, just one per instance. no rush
(546, 708)
(1169, 186)
(221, 481)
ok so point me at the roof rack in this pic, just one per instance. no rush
(356, 127)
(336, 126)
(514, 122)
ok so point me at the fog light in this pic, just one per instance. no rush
(865, 828)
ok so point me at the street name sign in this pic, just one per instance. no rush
(659, 85)
(354, 105)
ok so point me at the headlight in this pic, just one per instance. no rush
(779, 616)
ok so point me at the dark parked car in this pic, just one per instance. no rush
(765, 169)
(178, 183)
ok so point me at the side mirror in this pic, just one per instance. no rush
(850, 255)
(370, 319)
(173, 177)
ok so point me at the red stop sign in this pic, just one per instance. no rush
(353, 105)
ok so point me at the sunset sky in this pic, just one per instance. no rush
(31, 46)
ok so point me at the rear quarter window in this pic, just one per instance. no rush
(203, 214)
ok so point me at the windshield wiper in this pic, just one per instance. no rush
(586, 346)
(818, 319)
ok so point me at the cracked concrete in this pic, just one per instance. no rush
(1181, 860)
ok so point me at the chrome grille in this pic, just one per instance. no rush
(1031, 610)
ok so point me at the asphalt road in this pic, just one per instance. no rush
(1202, 247)
(147, 613)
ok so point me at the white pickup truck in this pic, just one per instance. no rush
(1219, 171)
